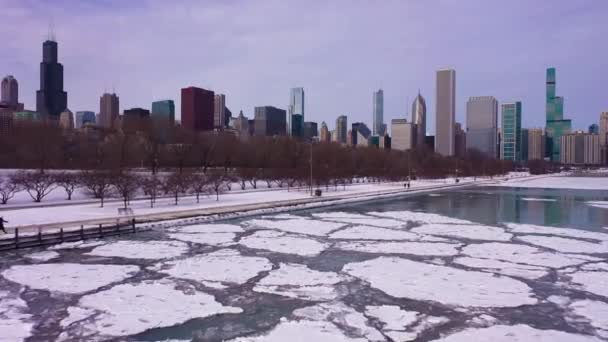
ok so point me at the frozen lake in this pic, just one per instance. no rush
(499, 264)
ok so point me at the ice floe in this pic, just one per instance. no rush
(503, 267)
(532, 199)
(132, 308)
(213, 239)
(375, 233)
(15, 324)
(566, 245)
(343, 316)
(372, 221)
(299, 281)
(522, 254)
(282, 243)
(404, 278)
(68, 278)
(134, 249)
(418, 216)
(208, 228)
(593, 311)
(340, 215)
(515, 333)
(599, 266)
(77, 244)
(405, 247)
(402, 325)
(43, 256)
(473, 232)
(303, 330)
(299, 226)
(521, 228)
(590, 281)
(220, 268)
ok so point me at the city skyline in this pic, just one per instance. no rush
(88, 74)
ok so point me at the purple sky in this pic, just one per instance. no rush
(339, 51)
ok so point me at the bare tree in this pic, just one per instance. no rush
(217, 182)
(8, 189)
(152, 186)
(176, 183)
(98, 183)
(37, 184)
(199, 184)
(126, 185)
(69, 182)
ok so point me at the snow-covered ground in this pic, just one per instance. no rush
(365, 275)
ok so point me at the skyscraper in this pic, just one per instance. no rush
(10, 93)
(51, 100)
(510, 147)
(580, 148)
(269, 121)
(403, 134)
(603, 131)
(460, 141)
(556, 124)
(324, 134)
(594, 129)
(108, 110)
(419, 119)
(197, 109)
(219, 111)
(536, 144)
(296, 107)
(84, 117)
(297, 126)
(163, 110)
(66, 119)
(360, 134)
(241, 126)
(482, 124)
(341, 129)
(378, 114)
(310, 130)
(445, 112)
(135, 119)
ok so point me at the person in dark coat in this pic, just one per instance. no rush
(2, 222)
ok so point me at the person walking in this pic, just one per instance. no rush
(2, 222)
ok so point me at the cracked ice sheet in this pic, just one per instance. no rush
(43, 256)
(133, 308)
(515, 333)
(282, 243)
(214, 239)
(595, 312)
(566, 245)
(417, 216)
(343, 316)
(133, 249)
(404, 278)
(68, 278)
(303, 330)
(299, 226)
(77, 244)
(590, 281)
(14, 322)
(372, 221)
(547, 230)
(340, 215)
(503, 267)
(473, 232)
(299, 281)
(415, 248)
(374, 233)
(522, 254)
(402, 325)
(217, 269)
(208, 228)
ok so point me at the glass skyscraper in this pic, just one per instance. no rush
(378, 115)
(296, 107)
(556, 125)
(511, 131)
(164, 109)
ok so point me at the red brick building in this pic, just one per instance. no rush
(197, 109)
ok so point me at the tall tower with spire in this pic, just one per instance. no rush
(51, 99)
(419, 118)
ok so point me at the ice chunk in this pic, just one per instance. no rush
(407, 247)
(299, 281)
(340, 215)
(133, 308)
(226, 266)
(522, 254)
(503, 267)
(515, 333)
(43, 256)
(303, 330)
(299, 226)
(404, 278)
(282, 243)
(392, 316)
(418, 216)
(520, 228)
(134, 249)
(15, 324)
(374, 233)
(78, 244)
(372, 221)
(208, 228)
(214, 239)
(68, 278)
(566, 245)
(473, 232)
(594, 311)
(595, 282)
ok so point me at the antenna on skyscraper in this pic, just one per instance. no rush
(51, 36)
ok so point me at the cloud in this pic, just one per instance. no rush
(339, 51)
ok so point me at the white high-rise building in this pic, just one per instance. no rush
(378, 115)
(219, 111)
(403, 134)
(482, 124)
(445, 114)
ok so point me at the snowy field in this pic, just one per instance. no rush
(372, 275)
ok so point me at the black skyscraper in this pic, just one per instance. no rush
(51, 100)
